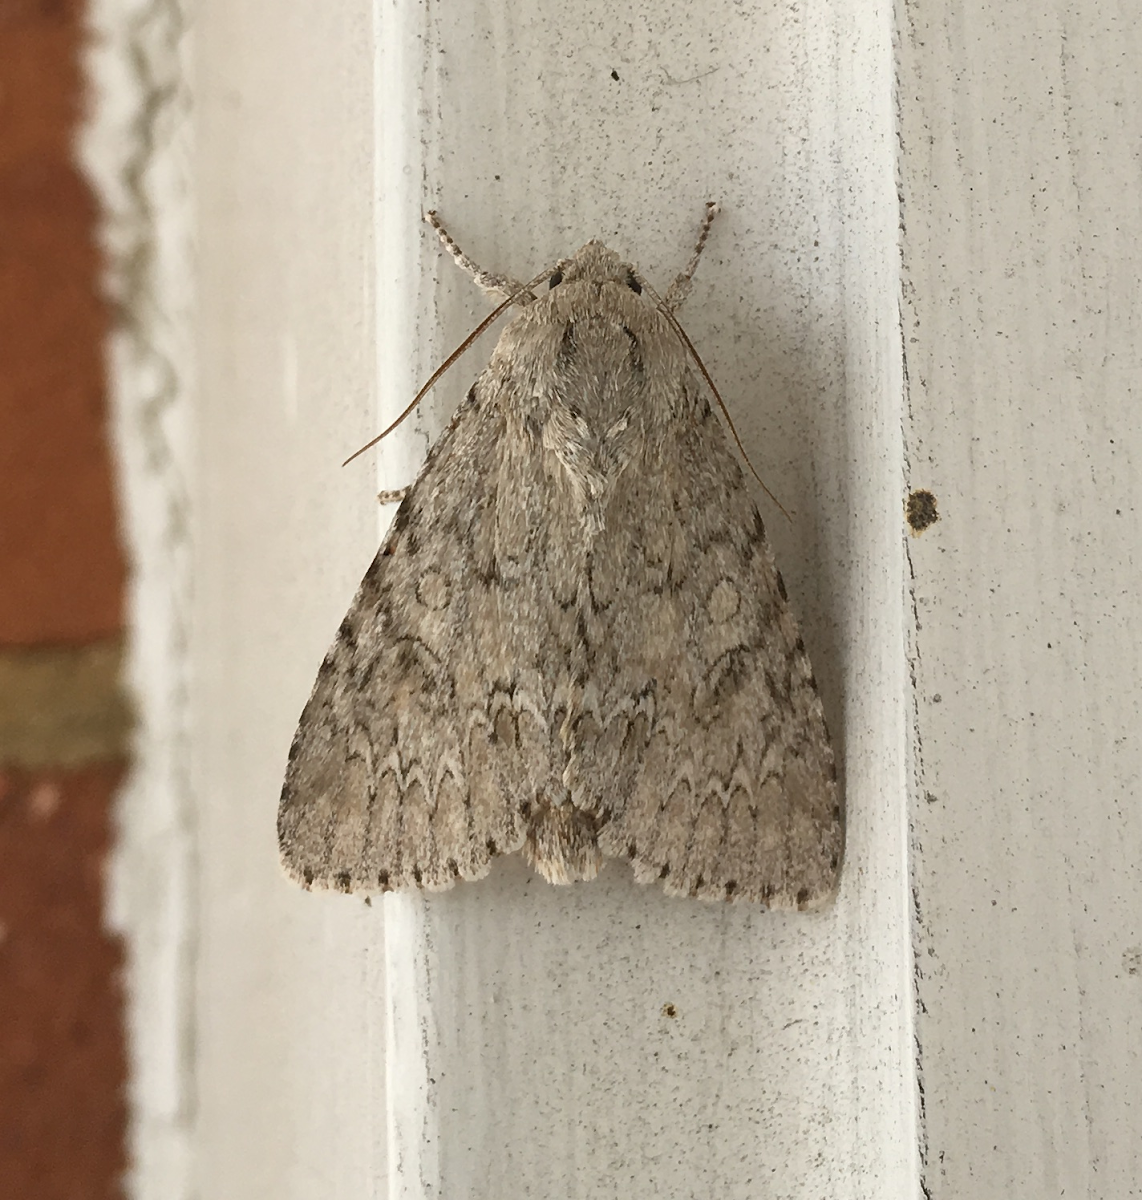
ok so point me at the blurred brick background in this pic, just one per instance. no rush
(63, 723)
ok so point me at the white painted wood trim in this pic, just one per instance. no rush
(1022, 317)
(509, 1038)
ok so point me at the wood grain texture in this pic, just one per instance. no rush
(1020, 180)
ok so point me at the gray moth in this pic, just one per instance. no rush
(574, 641)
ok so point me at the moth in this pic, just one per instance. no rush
(574, 640)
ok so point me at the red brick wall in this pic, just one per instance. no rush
(63, 723)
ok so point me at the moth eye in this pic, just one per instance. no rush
(634, 284)
(555, 280)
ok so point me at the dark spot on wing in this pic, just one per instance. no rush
(635, 349)
(404, 515)
(555, 280)
(489, 574)
(568, 346)
(634, 284)
(727, 673)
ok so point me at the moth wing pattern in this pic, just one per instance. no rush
(574, 641)
(426, 729)
(703, 746)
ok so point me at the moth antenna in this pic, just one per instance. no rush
(499, 284)
(677, 292)
(523, 287)
(680, 333)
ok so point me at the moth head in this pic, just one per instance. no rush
(594, 263)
